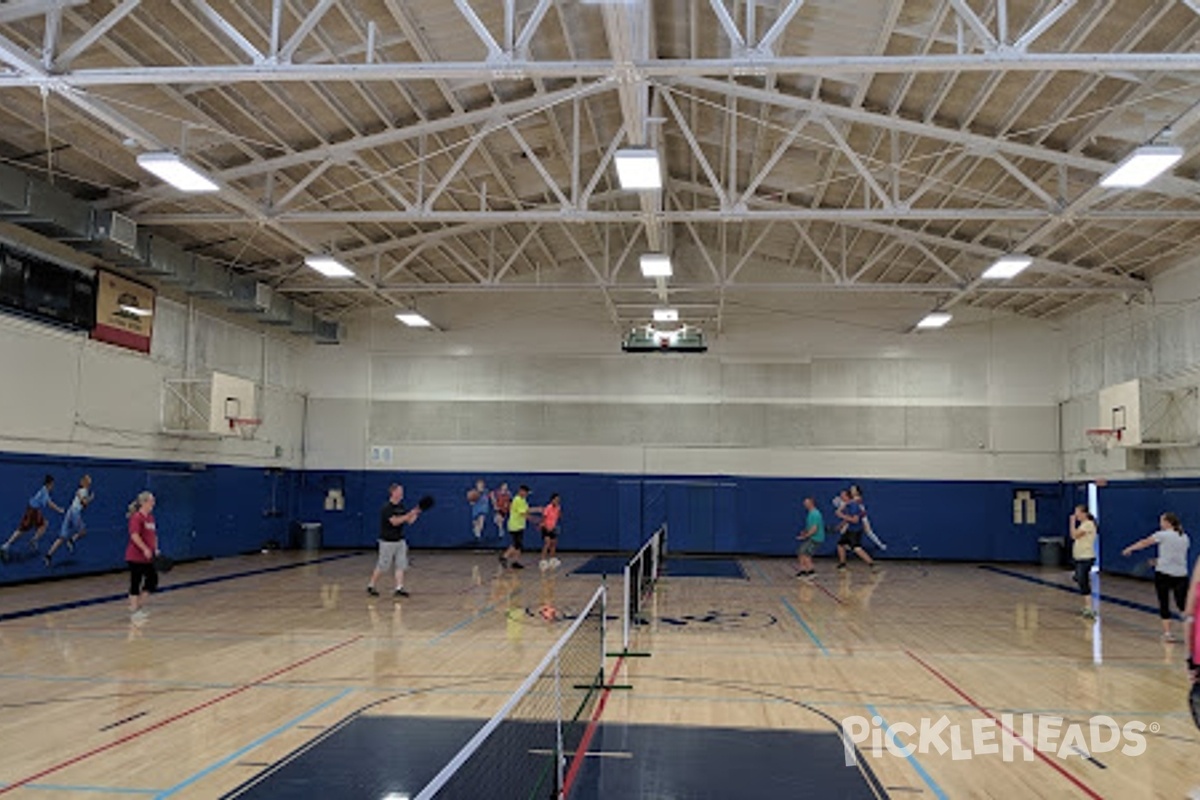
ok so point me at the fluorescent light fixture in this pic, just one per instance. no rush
(413, 320)
(177, 172)
(656, 265)
(638, 169)
(934, 319)
(328, 266)
(137, 312)
(1142, 166)
(666, 315)
(1007, 267)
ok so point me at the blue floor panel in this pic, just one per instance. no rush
(674, 568)
(378, 757)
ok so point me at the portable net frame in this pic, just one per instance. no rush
(641, 574)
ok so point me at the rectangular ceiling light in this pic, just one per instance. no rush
(177, 172)
(666, 315)
(413, 320)
(1142, 166)
(934, 319)
(656, 265)
(1007, 267)
(638, 169)
(328, 266)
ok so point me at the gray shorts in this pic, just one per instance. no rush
(392, 555)
(808, 546)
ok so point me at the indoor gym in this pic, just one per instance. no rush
(683, 263)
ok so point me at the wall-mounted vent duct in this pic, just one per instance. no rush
(107, 234)
(304, 321)
(328, 332)
(114, 237)
(279, 310)
(210, 279)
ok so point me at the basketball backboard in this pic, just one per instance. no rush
(1120, 409)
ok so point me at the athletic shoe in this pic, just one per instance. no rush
(4, 553)
(1169, 637)
(371, 590)
(517, 565)
(874, 567)
(46, 558)
(1089, 613)
(543, 565)
(554, 562)
(841, 566)
(401, 592)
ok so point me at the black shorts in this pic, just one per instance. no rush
(143, 577)
(518, 539)
(549, 534)
(851, 539)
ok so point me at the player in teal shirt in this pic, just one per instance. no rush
(811, 538)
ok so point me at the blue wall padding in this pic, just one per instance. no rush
(220, 510)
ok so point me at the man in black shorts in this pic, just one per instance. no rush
(393, 550)
(852, 514)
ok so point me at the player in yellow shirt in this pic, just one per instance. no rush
(518, 516)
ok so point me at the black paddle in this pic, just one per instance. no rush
(425, 503)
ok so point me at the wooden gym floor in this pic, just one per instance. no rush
(249, 659)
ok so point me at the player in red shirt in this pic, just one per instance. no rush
(139, 555)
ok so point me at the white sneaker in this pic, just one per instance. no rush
(141, 615)
(554, 562)
(543, 565)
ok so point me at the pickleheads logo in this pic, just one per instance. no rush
(1010, 737)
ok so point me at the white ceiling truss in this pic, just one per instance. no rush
(458, 146)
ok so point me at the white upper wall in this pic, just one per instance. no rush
(69, 395)
(838, 387)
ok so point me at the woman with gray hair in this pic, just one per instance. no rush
(139, 555)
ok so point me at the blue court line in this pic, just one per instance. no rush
(1108, 598)
(916, 765)
(760, 572)
(796, 615)
(241, 751)
(58, 787)
(109, 598)
(462, 623)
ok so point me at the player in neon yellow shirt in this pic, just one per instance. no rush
(518, 516)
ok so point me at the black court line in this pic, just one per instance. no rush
(119, 722)
(110, 598)
(1108, 598)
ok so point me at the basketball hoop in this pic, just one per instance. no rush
(244, 427)
(1104, 439)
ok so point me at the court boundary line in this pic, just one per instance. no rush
(1077, 782)
(174, 717)
(70, 605)
(796, 615)
(889, 733)
(1108, 598)
(252, 745)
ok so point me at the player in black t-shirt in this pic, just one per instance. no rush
(393, 550)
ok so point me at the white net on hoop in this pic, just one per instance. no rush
(1103, 439)
(244, 428)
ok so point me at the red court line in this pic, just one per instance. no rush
(175, 717)
(1083, 787)
(833, 596)
(586, 741)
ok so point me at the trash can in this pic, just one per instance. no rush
(1051, 551)
(307, 536)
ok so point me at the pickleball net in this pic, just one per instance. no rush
(641, 574)
(524, 751)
